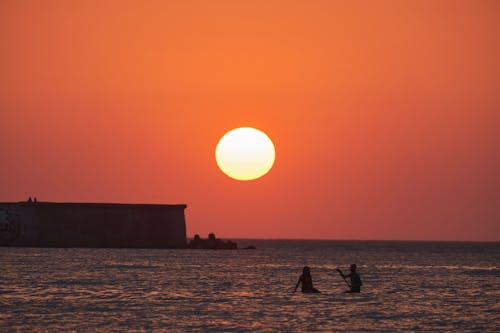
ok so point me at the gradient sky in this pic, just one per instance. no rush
(385, 114)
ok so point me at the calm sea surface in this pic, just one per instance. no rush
(407, 286)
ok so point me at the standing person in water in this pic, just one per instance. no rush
(306, 280)
(356, 283)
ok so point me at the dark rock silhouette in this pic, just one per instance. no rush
(211, 243)
(55, 224)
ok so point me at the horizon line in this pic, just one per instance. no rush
(359, 240)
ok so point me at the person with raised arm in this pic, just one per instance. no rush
(356, 283)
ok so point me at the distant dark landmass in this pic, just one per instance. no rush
(212, 243)
(52, 224)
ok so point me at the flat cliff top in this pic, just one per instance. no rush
(94, 204)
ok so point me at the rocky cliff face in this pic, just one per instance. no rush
(47, 224)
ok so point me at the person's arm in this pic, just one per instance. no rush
(297, 285)
(342, 274)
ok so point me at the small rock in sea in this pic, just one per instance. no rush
(211, 243)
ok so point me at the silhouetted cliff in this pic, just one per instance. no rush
(48, 224)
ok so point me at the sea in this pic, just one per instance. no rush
(407, 287)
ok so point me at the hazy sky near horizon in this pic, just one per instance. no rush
(385, 114)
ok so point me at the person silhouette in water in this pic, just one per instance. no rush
(306, 280)
(356, 283)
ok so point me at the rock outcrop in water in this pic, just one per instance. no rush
(211, 243)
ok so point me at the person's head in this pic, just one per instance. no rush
(353, 267)
(306, 270)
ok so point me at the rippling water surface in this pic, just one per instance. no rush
(407, 286)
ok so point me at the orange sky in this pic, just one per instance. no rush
(385, 114)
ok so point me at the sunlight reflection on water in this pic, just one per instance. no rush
(406, 286)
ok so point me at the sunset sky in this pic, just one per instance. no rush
(385, 115)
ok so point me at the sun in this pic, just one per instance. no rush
(245, 153)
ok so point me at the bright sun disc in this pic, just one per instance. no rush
(245, 153)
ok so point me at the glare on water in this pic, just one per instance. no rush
(407, 286)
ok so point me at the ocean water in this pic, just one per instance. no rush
(407, 286)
